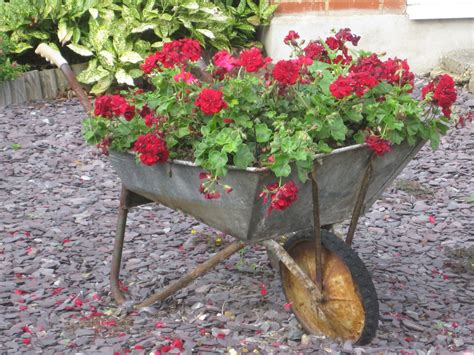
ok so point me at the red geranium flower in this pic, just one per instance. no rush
(371, 64)
(186, 77)
(291, 37)
(444, 93)
(102, 107)
(281, 197)
(252, 60)
(210, 101)
(397, 72)
(334, 43)
(314, 50)
(379, 145)
(173, 53)
(223, 59)
(341, 87)
(362, 82)
(345, 35)
(128, 112)
(286, 71)
(151, 149)
(150, 63)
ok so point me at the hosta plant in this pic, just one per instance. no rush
(245, 110)
(9, 69)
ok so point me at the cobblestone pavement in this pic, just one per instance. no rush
(59, 202)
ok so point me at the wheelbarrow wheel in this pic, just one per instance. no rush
(350, 305)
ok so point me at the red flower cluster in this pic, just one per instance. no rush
(444, 93)
(281, 197)
(315, 50)
(109, 106)
(253, 60)
(345, 35)
(203, 188)
(186, 77)
(286, 71)
(224, 60)
(358, 83)
(210, 101)
(151, 149)
(369, 72)
(397, 72)
(379, 145)
(104, 145)
(173, 53)
(291, 37)
(150, 117)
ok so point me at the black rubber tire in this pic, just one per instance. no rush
(360, 276)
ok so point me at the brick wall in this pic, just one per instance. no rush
(295, 6)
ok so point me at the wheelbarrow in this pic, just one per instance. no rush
(327, 284)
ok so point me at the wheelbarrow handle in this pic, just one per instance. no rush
(54, 57)
(51, 55)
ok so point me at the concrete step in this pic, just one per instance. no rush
(460, 65)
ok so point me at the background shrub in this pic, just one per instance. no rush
(114, 36)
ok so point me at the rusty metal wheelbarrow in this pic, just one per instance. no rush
(327, 284)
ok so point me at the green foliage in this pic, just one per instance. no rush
(115, 35)
(9, 69)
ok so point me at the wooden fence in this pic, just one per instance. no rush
(36, 85)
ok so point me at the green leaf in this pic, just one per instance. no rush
(94, 12)
(124, 78)
(323, 147)
(217, 160)
(191, 5)
(102, 85)
(20, 47)
(281, 166)
(263, 133)
(303, 167)
(130, 57)
(469, 198)
(107, 59)
(64, 34)
(81, 50)
(182, 132)
(244, 156)
(143, 27)
(254, 20)
(206, 33)
(93, 73)
(338, 129)
(359, 137)
(355, 116)
(434, 139)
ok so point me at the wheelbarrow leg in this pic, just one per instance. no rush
(317, 228)
(127, 199)
(192, 275)
(360, 201)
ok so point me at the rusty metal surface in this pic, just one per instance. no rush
(242, 213)
(341, 314)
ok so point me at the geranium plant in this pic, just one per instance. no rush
(244, 110)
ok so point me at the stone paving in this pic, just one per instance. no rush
(58, 207)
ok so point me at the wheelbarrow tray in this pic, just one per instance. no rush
(242, 214)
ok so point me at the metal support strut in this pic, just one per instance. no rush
(129, 199)
(317, 229)
(360, 200)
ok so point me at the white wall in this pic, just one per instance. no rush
(421, 42)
